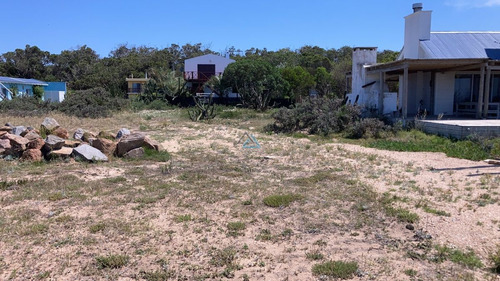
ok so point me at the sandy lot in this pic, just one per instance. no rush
(202, 216)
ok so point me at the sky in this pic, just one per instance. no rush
(103, 25)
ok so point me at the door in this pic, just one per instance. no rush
(205, 71)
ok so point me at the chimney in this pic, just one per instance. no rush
(227, 55)
(417, 7)
(417, 28)
(361, 57)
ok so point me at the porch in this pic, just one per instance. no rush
(460, 128)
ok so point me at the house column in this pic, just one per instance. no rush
(381, 93)
(479, 109)
(487, 92)
(404, 100)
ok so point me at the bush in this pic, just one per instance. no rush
(495, 260)
(367, 128)
(92, 103)
(111, 261)
(317, 116)
(276, 201)
(26, 106)
(336, 269)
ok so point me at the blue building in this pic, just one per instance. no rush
(15, 87)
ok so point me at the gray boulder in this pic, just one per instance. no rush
(128, 143)
(135, 153)
(18, 130)
(49, 124)
(122, 132)
(53, 143)
(78, 135)
(89, 153)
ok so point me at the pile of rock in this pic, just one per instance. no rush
(27, 143)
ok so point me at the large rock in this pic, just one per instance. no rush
(78, 134)
(122, 132)
(128, 143)
(3, 133)
(87, 136)
(106, 146)
(4, 146)
(72, 143)
(35, 144)
(34, 155)
(6, 129)
(32, 135)
(152, 144)
(19, 130)
(60, 132)
(63, 152)
(48, 125)
(53, 143)
(89, 153)
(17, 143)
(135, 153)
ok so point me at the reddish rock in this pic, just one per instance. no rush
(106, 146)
(70, 143)
(129, 142)
(36, 144)
(3, 133)
(6, 129)
(135, 153)
(61, 132)
(32, 135)
(17, 143)
(152, 144)
(63, 152)
(34, 155)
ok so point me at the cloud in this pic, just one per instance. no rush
(473, 3)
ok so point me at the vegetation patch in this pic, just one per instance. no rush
(336, 269)
(468, 259)
(236, 228)
(111, 261)
(283, 200)
(495, 260)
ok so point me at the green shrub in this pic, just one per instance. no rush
(318, 116)
(235, 228)
(336, 269)
(284, 200)
(111, 261)
(92, 103)
(366, 128)
(26, 106)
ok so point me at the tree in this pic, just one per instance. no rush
(299, 80)
(76, 67)
(256, 81)
(162, 85)
(324, 82)
(28, 63)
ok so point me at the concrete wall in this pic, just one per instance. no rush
(360, 58)
(54, 96)
(191, 65)
(444, 90)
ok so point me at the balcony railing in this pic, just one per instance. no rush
(199, 76)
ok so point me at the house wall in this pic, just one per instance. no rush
(54, 96)
(191, 65)
(21, 89)
(444, 88)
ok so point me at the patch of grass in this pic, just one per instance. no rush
(315, 255)
(111, 261)
(183, 218)
(158, 275)
(335, 269)
(282, 200)
(316, 178)
(411, 272)
(495, 260)
(436, 212)
(116, 179)
(403, 215)
(468, 259)
(56, 196)
(98, 227)
(236, 228)
(225, 258)
(34, 229)
(264, 235)
(156, 156)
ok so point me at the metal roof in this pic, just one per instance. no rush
(24, 81)
(461, 45)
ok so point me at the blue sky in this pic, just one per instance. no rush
(103, 25)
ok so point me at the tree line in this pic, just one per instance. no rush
(291, 73)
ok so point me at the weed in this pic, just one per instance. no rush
(264, 235)
(235, 228)
(468, 259)
(34, 229)
(436, 212)
(401, 214)
(98, 227)
(183, 218)
(283, 200)
(336, 269)
(315, 255)
(158, 275)
(111, 261)
(411, 272)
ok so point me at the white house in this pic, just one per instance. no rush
(441, 73)
(198, 70)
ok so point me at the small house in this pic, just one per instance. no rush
(438, 73)
(12, 87)
(199, 70)
(136, 86)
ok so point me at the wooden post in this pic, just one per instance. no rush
(487, 92)
(381, 93)
(405, 93)
(479, 108)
